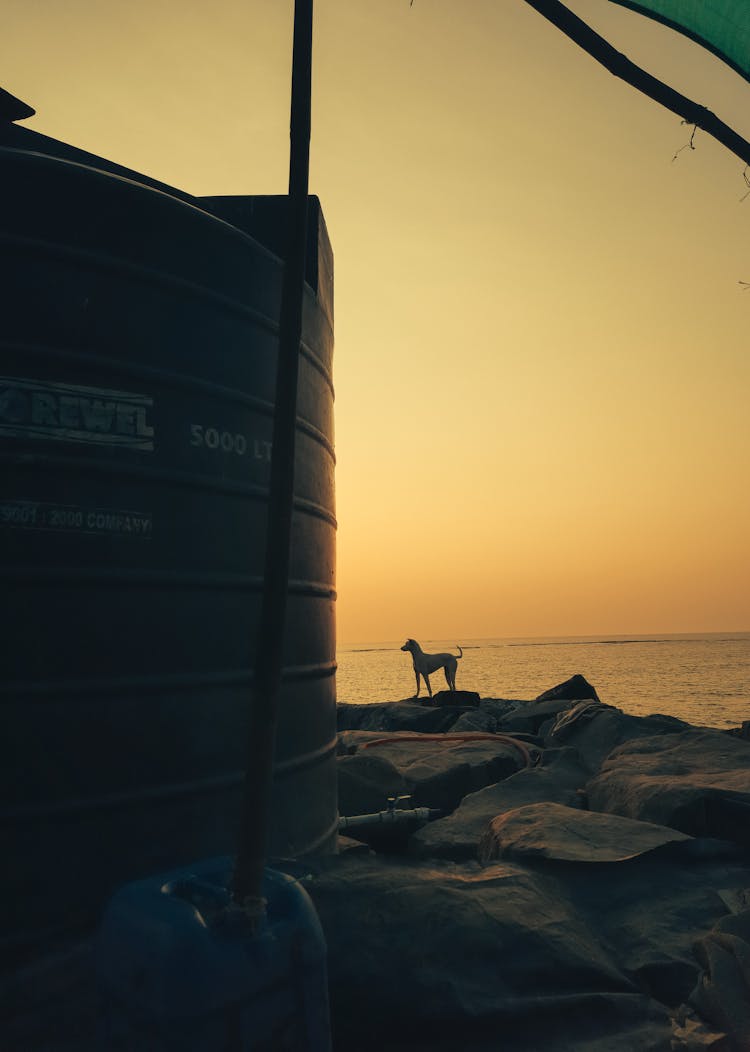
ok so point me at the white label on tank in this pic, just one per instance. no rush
(216, 439)
(42, 515)
(41, 409)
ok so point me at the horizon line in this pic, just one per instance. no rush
(602, 637)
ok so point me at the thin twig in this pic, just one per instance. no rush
(746, 177)
(689, 145)
(620, 66)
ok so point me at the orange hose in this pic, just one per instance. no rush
(443, 738)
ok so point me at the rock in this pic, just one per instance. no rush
(722, 994)
(649, 911)
(441, 779)
(737, 924)
(439, 958)
(595, 730)
(477, 720)
(457, 837)
(454, 697)
(440, 773)
(346, 844)
(397, 716)
(696, 781)
(742, 732)
(499, 707)
(532, 716)
(690, 1034)
(577, 688)
(556, 832)
(366, 781)
(736, 900)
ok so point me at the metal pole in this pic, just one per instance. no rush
(255, 824)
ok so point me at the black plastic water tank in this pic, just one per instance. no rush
(138, 337)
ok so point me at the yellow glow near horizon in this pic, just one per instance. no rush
(541, 355)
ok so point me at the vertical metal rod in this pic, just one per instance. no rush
(255, 823)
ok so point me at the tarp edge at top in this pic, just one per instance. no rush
(656, 16)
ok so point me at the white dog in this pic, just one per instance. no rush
(425, 664)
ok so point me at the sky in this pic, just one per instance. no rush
(541, 362)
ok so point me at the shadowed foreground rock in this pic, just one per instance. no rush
(556, 956)
(722, 995)
(461, 957)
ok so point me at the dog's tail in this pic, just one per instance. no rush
(461, 654)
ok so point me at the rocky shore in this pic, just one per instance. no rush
(586, 886)
(551, 875)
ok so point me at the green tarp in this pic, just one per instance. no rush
(722, 26)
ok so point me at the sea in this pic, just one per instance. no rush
(704, 679)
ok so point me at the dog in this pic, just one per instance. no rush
(425, 664)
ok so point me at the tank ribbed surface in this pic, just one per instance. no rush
(138, 343)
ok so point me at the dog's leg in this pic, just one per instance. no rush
(417, 675)
(450, 674)
(427, 681)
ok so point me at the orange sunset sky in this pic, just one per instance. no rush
(541, 366)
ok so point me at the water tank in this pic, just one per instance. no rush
(138, 339)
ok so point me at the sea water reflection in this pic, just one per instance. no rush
(704, 679)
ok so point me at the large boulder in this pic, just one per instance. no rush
(532, 716)
(595, 730)
(556, 832)
(440, 773)
(577, 688)
(436, 959)
(398, 716)
(650, 910)
(557, 778)
(696, 781)
(454, 697)
(366, 781)
(476, 720)
(499, 707)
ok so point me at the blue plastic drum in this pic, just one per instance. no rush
(176, 971)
